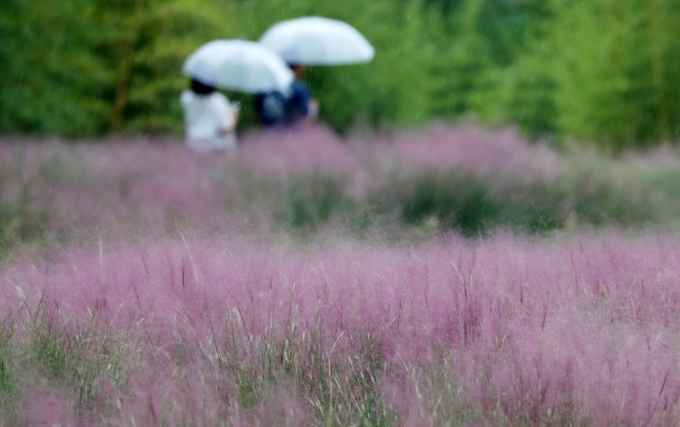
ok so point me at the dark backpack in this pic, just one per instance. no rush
(271, 107)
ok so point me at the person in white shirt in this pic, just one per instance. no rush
(209, 118)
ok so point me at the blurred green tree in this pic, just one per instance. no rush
(53, 84)
(612, 64)
(591, 43)
(146, 43)
(91, 66)
(463, 70)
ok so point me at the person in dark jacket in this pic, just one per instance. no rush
(295, 107)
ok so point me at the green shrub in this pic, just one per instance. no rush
(598, 200)
(18, 225)
(458, 202)
(7, 388)
(311, 201)
(533, 207)
(473, 205)
(51, 354)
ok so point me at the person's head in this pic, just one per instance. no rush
(298, 69)
(200, 88)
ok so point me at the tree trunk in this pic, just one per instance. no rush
(122, 86)
(657, 64)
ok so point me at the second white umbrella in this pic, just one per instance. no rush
(238, 65)
(317, 41)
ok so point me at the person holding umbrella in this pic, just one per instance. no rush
(307, 41)
(238, 65)
(294, 107)
(209, 118)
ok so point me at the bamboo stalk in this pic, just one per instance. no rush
(122, 86)
(657, 64)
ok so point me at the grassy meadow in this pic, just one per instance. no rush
(452, 276)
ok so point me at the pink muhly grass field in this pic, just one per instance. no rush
(149, 180)
(202, 331)
(224, 330)
(155, 185)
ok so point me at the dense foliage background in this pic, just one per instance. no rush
(603, 72)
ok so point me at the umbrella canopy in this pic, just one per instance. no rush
(317, 41)
(238, 65)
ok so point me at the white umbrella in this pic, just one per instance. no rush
(317, 41)
(238, 65)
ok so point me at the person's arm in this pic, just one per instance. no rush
(226, 114)
(235, 111)
(311, 113)
(312, 106)
(313, 109)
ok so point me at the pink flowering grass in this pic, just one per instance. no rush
(157, 184)
(203, 331)
(468, 148)
(282, 153)
(167, 294)
(463, 178)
